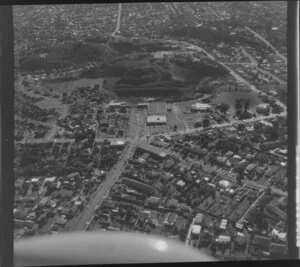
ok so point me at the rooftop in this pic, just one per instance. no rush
(153, 150)
(156, 119)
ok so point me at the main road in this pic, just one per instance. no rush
(263, 39)
(118, 21)
(186, 131)
(104, 188)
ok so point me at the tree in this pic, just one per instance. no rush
(123, 110)
(238, 104)
(198, 124)
(246, 104)
(213, 249)
(240, 176)
(241, 127)
(175, 128)
(206, 123)
(223, 108)
(273, 133)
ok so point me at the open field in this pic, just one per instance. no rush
(67, 86)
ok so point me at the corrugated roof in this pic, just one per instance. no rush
(153, 150)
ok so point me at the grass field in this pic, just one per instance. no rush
(48, 103)
(67, 86)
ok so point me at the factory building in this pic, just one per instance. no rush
(156, 120)
(157, 113)
(200, 107)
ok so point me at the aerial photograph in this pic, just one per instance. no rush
(167, 119)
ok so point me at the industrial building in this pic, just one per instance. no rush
(200, 107)
(115, 104)
(157, 113)
(155, 151)
(156, 120)
(117, 143)
(136, 184)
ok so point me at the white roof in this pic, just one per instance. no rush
(223, 238)
(140, 104)
(180, 183)
(201, 106)
(156, 118)
(224, 183)
(50, 179)
(196, 229)
(117, 142)
(263, 105)
(282, 236)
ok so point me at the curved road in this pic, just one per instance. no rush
(118, 21)
(267, 43)
(111, 178)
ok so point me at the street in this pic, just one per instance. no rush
(268, 44)
(104, 188)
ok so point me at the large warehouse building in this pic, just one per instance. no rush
(157, 113)
(156, 119)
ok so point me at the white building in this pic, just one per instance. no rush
(196, 229)
(156, 119)
(223, 239)
(224, 183)
(223, 224)
(117, 143)
(200, 107)
(180, 183)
